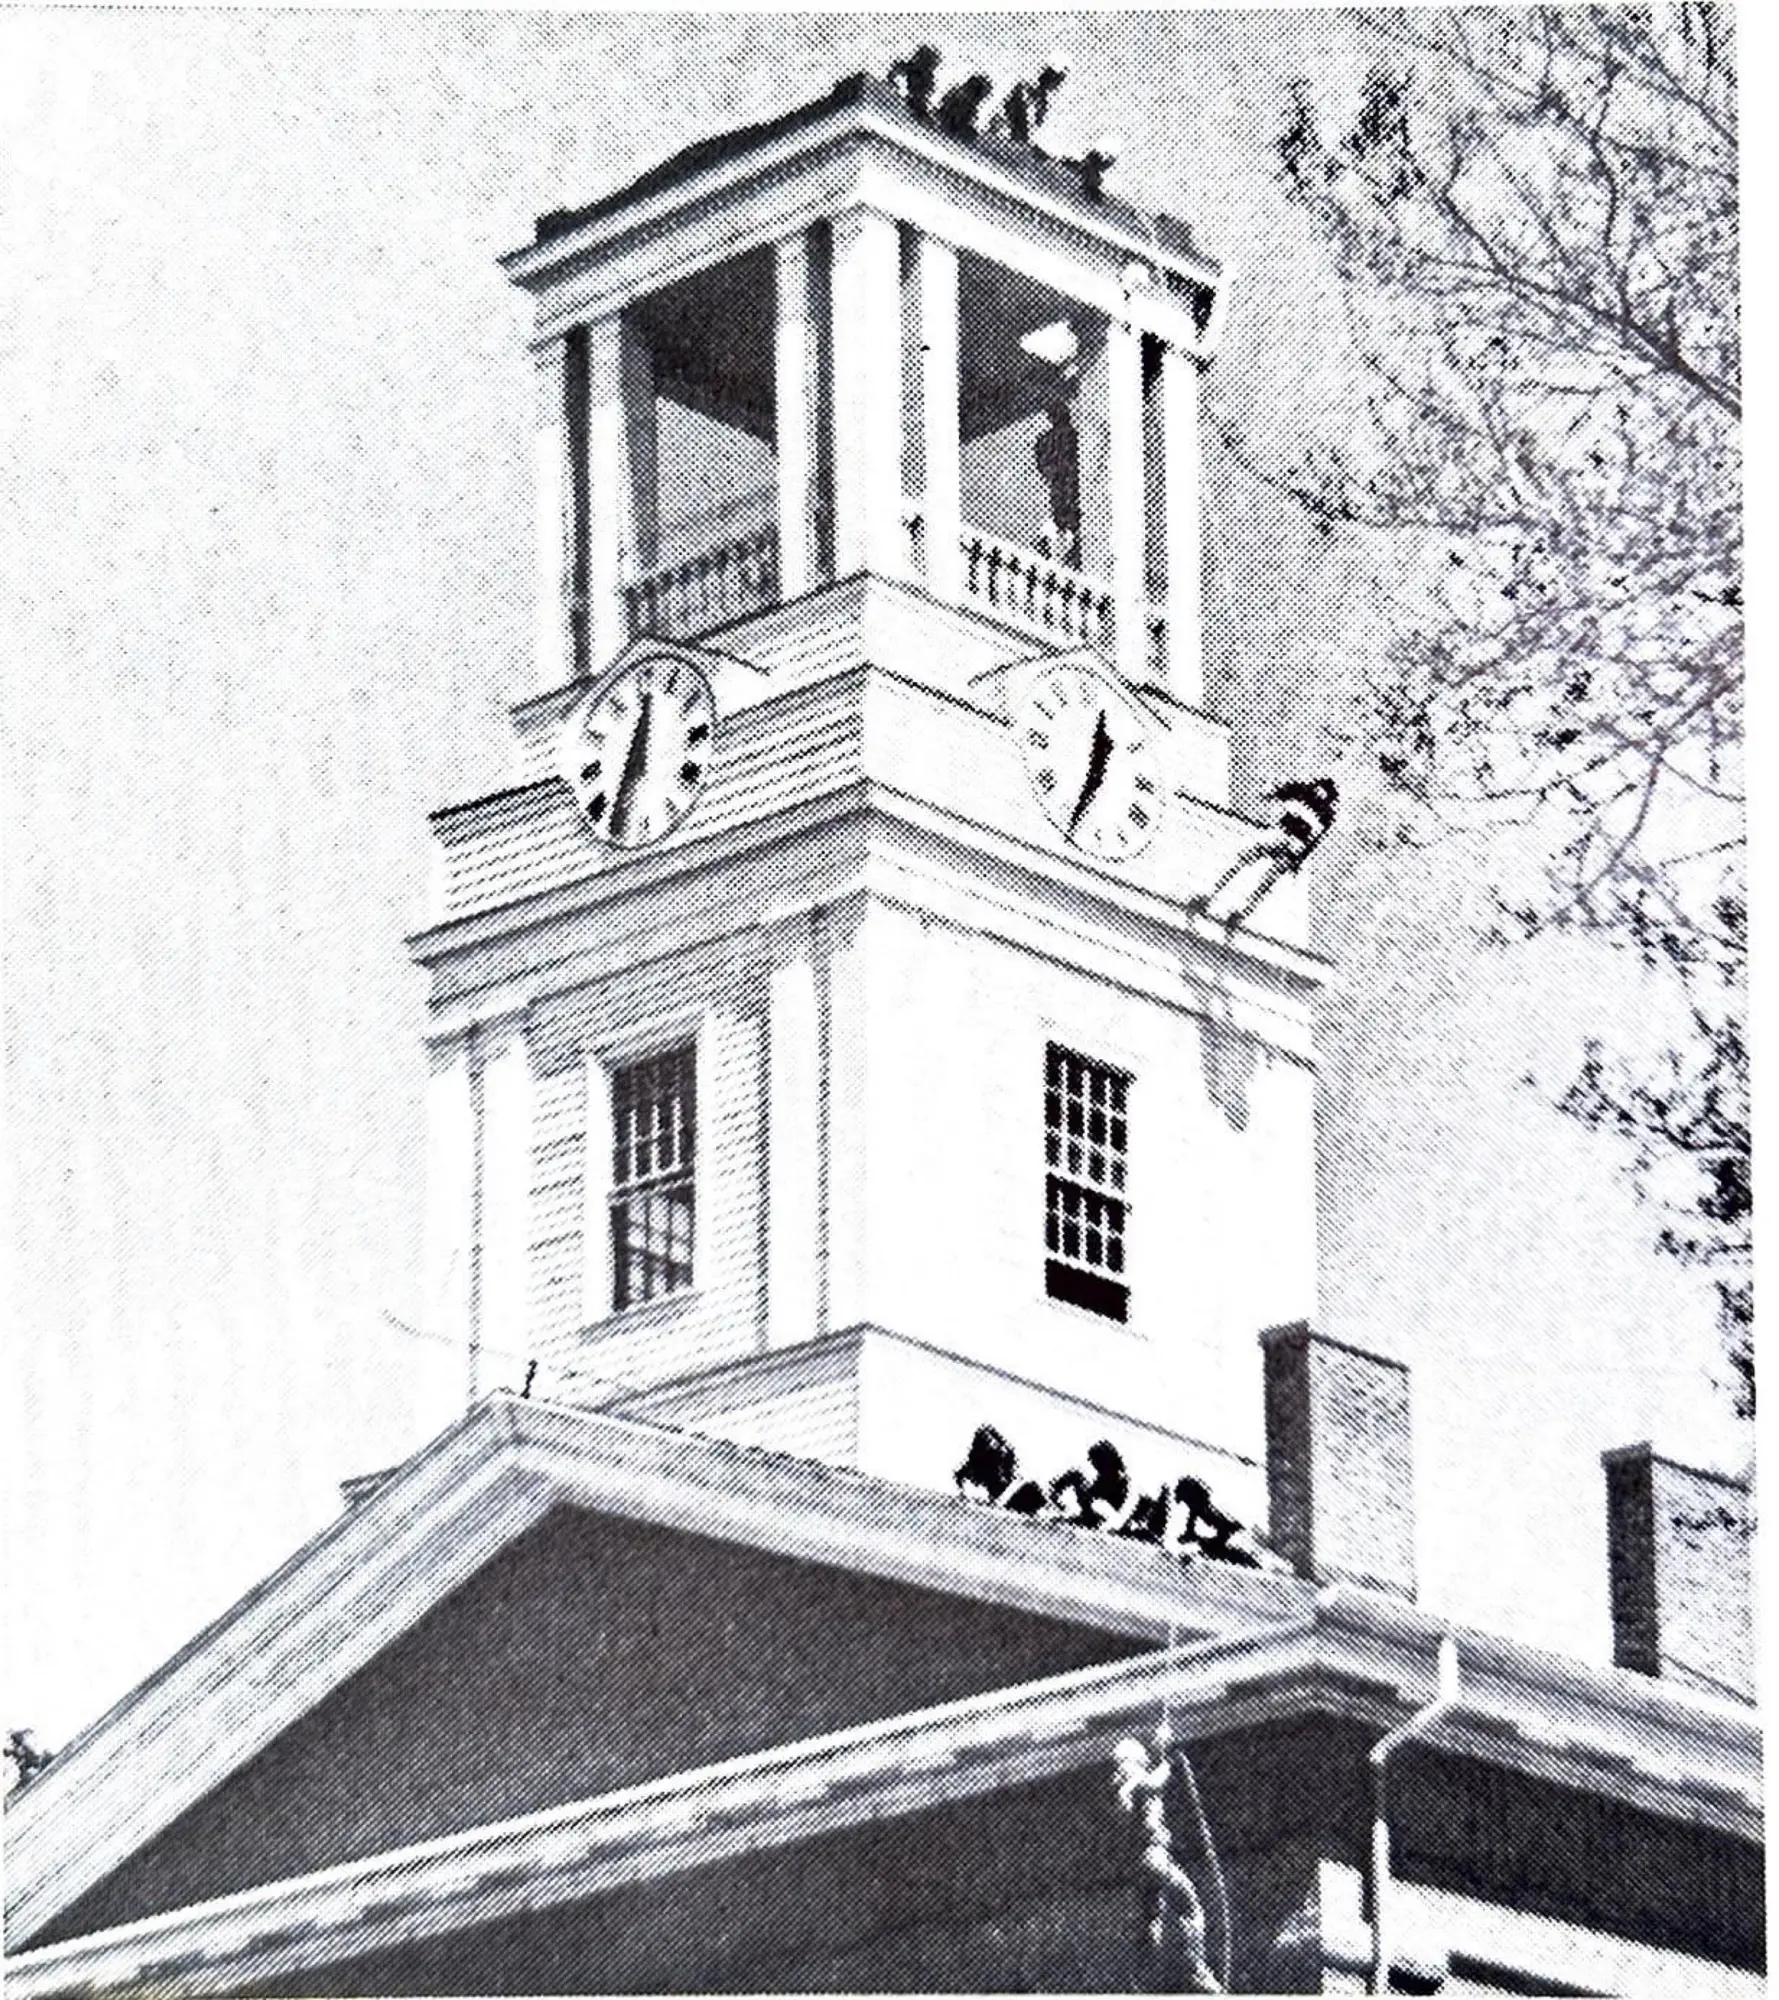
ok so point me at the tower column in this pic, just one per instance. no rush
(639, 477)
(1126, 497)
(796, 1063)
(1181, 450)
(609, 510)
(867, 311)
(503, 1318)
(794, 415)
(555, 524)
(453, 1114)
(941, 445)
(596, 1189)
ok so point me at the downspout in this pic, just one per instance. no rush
(1381, 1752)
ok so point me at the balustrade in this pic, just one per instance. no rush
(1036, 591)
(707, 589)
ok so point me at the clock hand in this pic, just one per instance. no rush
(1096, 771)
(635, 762)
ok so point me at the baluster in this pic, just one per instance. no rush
(972, 564)
(994, 574)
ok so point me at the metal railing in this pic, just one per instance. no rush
(719, 583)
(1035, 590)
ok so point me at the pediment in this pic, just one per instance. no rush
(544, 1605)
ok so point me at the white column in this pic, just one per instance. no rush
(941, 448)
(449, 1255)
(794, 1221)
(867, 308)
(504, 1303)
(640, 475)
(1125, 493)
(608, 502)
(794, 418)
(555, 526)
(1181, 447)
(596, 1188)
(847, 1151)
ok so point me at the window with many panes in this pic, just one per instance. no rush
(1087, 1152)
(654, 1144)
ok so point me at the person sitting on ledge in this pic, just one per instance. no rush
(1207, 1530)
(1099, 1501)
(1147, 1521)
(989, 1467)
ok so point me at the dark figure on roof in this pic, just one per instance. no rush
(27, 1759)
(1306, 812)
(1206, 1527)
(1148, 1519)
(918, 74)
(990, 1466)
(961, 106)
(1058, 453)
(1093, 168)
(1027, 105)
(1098, 1501)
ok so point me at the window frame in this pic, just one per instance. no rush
(680, 1178)
(1090, 1279)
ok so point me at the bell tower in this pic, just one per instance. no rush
(830, 1045)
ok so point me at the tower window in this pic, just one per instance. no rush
(654, 1140)
(1086, 1149)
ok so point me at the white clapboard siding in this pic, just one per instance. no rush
(719, 994)
(521, 842)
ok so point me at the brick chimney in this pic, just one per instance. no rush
(1680, 1546)
(1339, 1464)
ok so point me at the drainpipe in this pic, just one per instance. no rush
(1381, 1752)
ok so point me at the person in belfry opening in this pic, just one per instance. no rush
(1173, 1910)
(1058, 452)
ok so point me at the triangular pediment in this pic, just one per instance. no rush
(545, 1605)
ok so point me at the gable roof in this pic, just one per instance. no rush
(1348, 1655)
(375, 1572)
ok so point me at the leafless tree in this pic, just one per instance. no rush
(1534, 217)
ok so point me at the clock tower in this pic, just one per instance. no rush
(831, 1048)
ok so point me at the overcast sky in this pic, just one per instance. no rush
(265, 589)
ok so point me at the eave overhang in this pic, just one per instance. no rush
(862, 108)
(1350, 1656)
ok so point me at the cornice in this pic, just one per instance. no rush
(1346, 1656)
(373, 1573)
(533, 264)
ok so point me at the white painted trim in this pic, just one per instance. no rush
(866, 294)
(553, 662)
(1352, 1656)
(596, 1190)
(793, 1166)
(531, 264)
(1127, 497)
(936, 305)
(609, 525)
(1181, 502)
(503, 1295)
(795, 384)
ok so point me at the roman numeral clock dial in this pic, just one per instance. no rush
(1091, 763)
(636, 749)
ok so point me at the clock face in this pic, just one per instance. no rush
(1091, 762)
(636, 750)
